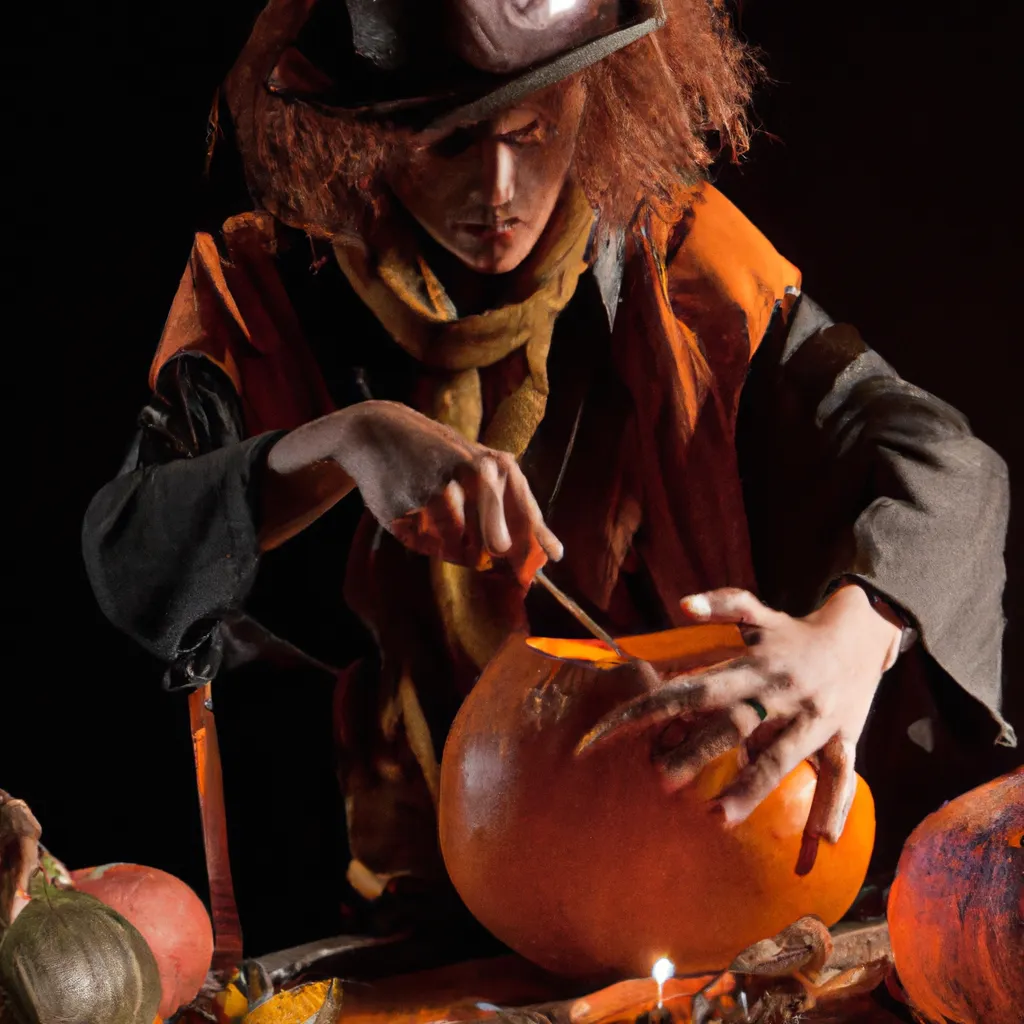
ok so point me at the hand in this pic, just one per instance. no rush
(815, 677)
(438, 493)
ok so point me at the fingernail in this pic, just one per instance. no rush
(579, 1012)
(717, 811)
(730, 813)
(697, 605)
(808, 855)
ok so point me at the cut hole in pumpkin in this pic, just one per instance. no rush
(702, 645)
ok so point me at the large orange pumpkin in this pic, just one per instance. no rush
(956, 908)
(585, 865)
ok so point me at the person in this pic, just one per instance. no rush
(470, 306)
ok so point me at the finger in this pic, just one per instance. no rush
(455, 500)
(830, 805)
(758, 779)
(526, 561)
(762, 738)
(526, 555)
(833, 798)
(445, 520)
(684, 762)
(728, 604)
(491, 506)
(518, 488)
(472, 540)
(412, 532)
(688, 695)
(647, 674)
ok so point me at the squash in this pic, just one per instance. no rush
(170, 916)
(316, 1002)
(64, 955)
(956, 908)
(68, 957)
(585, 865)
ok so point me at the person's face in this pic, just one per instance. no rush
(486, 191)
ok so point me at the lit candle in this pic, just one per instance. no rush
(662, 970)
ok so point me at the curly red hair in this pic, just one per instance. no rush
(652, 110)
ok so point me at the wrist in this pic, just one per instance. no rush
(854, 607)
(329, 439)
(305, 475)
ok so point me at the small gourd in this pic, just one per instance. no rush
(64, 955)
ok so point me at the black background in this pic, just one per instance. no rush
(885, 169)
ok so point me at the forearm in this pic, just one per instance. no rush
(305, 475)
(292, 501)
(314, 466)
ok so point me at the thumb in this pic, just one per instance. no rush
(727, 604)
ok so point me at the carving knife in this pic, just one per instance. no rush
(580, 615)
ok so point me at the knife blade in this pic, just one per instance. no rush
(579, 614)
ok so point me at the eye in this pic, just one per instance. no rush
(528, 135)
(454, 144)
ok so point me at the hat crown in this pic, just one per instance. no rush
(493, 36)
(435, 63)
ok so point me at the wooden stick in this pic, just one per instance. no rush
(227, 930)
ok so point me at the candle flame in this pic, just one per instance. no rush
(663, 970)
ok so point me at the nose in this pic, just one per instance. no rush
(499, 172)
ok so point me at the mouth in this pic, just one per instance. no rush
(491, 230)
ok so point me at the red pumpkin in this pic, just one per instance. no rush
(170, 916)
(585, 865)
(956, 908)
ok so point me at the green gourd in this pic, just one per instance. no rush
(70, 958)
(65, 957)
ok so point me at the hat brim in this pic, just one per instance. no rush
(484, 95)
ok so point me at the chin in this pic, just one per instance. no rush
(499, 259)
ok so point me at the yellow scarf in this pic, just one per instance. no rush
(413, 306)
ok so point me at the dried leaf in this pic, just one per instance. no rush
(803, 947)
(852, 983)
(295, 1006)
(19, 856)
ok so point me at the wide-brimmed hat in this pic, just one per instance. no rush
(432, 64)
